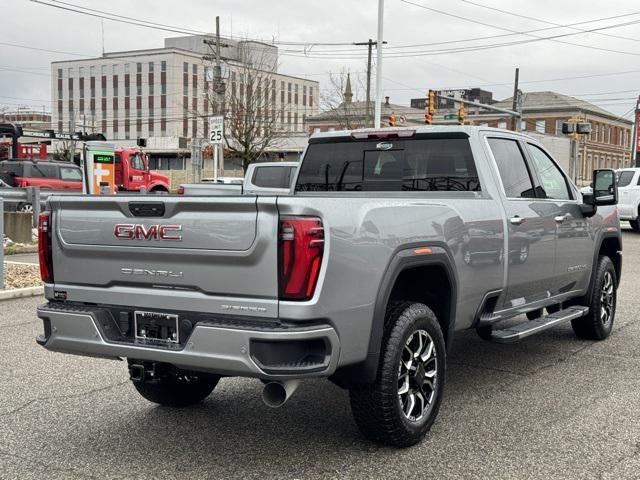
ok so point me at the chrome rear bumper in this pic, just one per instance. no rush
(222, 350)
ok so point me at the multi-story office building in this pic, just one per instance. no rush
(164, 94)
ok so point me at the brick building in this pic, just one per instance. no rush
(608, 146)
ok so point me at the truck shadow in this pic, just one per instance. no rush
(233, 430)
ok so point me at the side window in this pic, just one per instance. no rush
(41, 170)
(512, 167)
(552, 179)
(625, 178)
(136, 162)
(270, 177)
(70, 174)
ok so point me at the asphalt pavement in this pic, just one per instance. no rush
(549, 407)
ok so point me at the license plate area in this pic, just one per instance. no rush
(156, 328)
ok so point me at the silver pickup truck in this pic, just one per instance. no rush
(260, 179)
(391, 242)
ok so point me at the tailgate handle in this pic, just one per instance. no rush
(146, 209)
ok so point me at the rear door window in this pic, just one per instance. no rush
(42, 170)
(271, 177)
(438, 164)
(515, 176)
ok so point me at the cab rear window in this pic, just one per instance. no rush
(389, 165)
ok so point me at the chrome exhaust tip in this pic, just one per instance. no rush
(275, 394)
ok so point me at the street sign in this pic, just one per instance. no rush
(216, 130)
(451, 116)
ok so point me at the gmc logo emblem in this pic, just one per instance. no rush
(130, 231)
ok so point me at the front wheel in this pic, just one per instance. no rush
(598, 323)
(401, 405)
(178, 389)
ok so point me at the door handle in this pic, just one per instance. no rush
(517, 220)
(562, 218)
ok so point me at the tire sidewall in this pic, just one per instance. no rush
(421, 318)
(604, 265)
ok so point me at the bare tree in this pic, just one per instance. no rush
(253, 123)
(340, 100)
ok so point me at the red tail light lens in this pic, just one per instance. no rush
(180, 190)
(44, 247)
(301, 247)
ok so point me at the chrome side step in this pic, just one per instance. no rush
(517, 332)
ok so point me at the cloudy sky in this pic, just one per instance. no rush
(447, 48)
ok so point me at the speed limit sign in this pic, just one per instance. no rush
(216, 130)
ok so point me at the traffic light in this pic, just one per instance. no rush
(461, 115)
(392, 120)
(431, 102)
(428, 118)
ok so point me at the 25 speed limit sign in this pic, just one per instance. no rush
(216, 130)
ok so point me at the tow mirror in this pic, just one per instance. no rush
(605, 188)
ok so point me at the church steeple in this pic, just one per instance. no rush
(348, 94)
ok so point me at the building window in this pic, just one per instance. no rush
(311, 96)
(127, 88)
(540, 126)
(115, 86)
(126, 68)
(282, 92)
(559, 127)
(608, 135)
(289, 92)
(304, 95)
(138, 67)
(59, 73)
(103, 85)
(295, 97)
(103, 70)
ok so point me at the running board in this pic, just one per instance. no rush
(517, 332)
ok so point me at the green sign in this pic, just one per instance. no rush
(103, 158)
(451, 116)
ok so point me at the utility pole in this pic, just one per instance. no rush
(635, 149)
(370, 44)
(379, 45)
(219, 89)
(515, 120)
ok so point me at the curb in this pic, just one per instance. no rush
(21, 293)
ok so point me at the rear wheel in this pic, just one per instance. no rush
(598, 323)
(176, 388)
(401, 405)
(635, 224)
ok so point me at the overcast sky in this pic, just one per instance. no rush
(346, 21)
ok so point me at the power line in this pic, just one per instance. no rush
(547, 21)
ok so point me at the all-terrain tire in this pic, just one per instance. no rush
(178, 390)
(377, 408)
(598, 323)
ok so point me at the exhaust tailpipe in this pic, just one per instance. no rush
(275, 394)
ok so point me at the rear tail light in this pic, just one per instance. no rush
(44, 247)
(383, 133)
(180, 190)
(300, 252)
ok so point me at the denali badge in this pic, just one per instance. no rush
(150, 273)
(129, 231)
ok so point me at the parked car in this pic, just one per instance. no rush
(48, 175)
(260, 178)
(390, 243)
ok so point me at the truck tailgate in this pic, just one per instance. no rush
(198, 248)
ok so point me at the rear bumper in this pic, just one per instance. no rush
(219, 349)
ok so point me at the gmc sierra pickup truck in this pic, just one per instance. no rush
(391, 241)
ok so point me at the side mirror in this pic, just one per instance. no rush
(605, 188)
